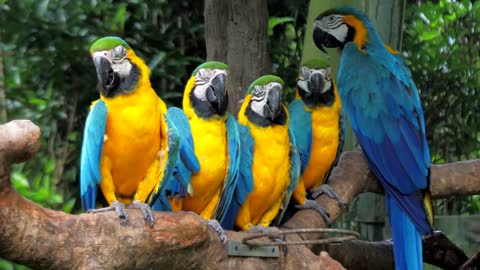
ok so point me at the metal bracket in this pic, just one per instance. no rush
(237, 248)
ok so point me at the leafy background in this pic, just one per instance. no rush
(49, 77)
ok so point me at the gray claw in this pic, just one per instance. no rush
(311, 204)
(215, 225)
(327, 190)
(262, 229)
(146, 211)
(117, 207)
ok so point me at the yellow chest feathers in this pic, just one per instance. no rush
(325, 139)
(210, 142)
(271, 159)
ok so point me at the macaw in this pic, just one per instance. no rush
(215, 140)
(319, 129)
(383, 105)
(129, 147)
(178, 183)
(269, 162)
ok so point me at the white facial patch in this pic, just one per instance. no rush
(203, 80)
(308, 73)
(259, 97)
(118, 59)
(334, 25)
(327, 78)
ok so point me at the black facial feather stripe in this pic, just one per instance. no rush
(335, 23)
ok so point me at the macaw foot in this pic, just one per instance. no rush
(311, 204)
(146, 210)
(327, 190)
(215, 225)
(263, 229)
(117, 207)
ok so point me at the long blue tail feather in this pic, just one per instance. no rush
(407, 247)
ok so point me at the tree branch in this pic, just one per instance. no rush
(43, 238)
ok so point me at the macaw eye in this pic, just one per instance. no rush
(203, 76)
(119, 52)
(331, 18)
(257, 90)
(328, 74)
(305, 72)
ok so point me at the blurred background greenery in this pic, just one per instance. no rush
(46, 74)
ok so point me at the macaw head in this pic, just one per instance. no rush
(206, 92)
(264, 101)
(116, 72)
(315, 85)
(336, 27)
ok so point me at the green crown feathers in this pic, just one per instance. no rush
(264, 80)
(210, 65)
(316, 64)
(108, 43)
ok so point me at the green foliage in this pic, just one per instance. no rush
(286, 31)
(50, 78)
(441, 42)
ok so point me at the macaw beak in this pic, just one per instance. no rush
(273, 105)
(217, 94)
(316, 83)
(319, 37)
(108, 81)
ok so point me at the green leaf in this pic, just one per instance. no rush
(160, 56)
(274, 21)
(19, 181)
(68, 206)
(429, 35)
(120, 17)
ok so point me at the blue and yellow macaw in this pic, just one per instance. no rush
(129, 147)
(215, 140)
(269, 163)
(178, 183)
(319, 129)
(383, 105)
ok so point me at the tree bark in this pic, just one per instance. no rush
(236, 33)
(3, 90)
(43, 238)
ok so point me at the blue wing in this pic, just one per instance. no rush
(226, 196)
(182, 162)
(385, 112)
(301, 126)
(92, 145)
(244, 184)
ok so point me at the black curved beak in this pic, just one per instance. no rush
(217, 94)
(319, 37)
(316, 83)
(105, 75)
(274, 102)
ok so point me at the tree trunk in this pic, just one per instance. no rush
(3, 90)
(236, 33)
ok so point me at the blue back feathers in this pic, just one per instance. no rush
(301, 126)
(227, 194)
(93, 135)
(383, 105)
(185, 161)
(244, 185)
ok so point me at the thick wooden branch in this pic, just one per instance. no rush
(43, 238)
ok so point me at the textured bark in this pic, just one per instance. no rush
(236, 33)
(3, 90)
(44, 239)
